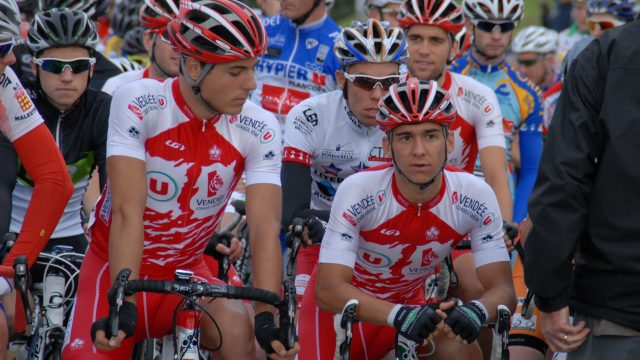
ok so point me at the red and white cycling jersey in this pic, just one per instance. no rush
(192, 168)
(394, 245)
(18, 115)
(114, 83)
(322, 133)
(479, 121)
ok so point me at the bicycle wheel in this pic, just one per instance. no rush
(144, 350)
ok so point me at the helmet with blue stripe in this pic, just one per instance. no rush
(373, 42)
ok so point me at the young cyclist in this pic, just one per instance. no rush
(163, 58)
(331, 136)
(520, 100)
(23, 133)
(384, 10)
(535, 48)
(63, 42)
(389, 228)
(175, 151)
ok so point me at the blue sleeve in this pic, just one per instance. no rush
(530, 151)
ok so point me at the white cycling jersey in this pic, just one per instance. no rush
(394, 245)
(322, 133)
(18, 115)
(192, 167)
(114, 83)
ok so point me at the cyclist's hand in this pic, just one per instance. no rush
(101, 332)
(267, 335)
(417, 323)
(314, 229)
(510, 234)
(234, 251)
(462, 321)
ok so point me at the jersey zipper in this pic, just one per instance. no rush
(419, 208)
(58, 125)
(286, 86)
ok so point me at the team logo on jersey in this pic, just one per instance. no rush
(233, 119)
(214, 153)
(321, 55)
(460, 91)
(161, 187)
(148, 102)
(77, 343)
(134, 133)
(428, 257)
(136, 111)
(268, 136)
(361, 166)
(331, 169)
(4, 80)
(174, 145)
(473, 208)
(311, 43)
(377, 154)
(381, 196)
(490, 124)
(215, 183)
(346, 237)
(476, 100)
(454, 198)
(270, 155)
(339, 152)
(162, 101)
(432, 233)
(486, 239)
(349, 218)
(373, 259)
(488, 219)
(390, 232)
(23, 99)
(311, 116)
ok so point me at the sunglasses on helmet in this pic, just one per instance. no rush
(488, 26)
(57, 66)
(367, 82)
(603, 25)
(5, 48)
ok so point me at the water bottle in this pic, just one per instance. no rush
(188, 332)
(54, 289)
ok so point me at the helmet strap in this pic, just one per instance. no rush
(423, 185)
(300, 21)
(152, 58)
(195, 84)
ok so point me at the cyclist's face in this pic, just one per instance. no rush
(419, 149)
(227, 86)
(533, 66)
(166, 57)
(293, 9)
(389, 13)
(429, 48)
(363, 101)
(579, 13)
(7, 60)
(492, 43)
(63, 89)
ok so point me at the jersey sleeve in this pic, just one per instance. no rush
(126, 135)
(341, 240)
(263, 162)
(18, 114)
(301, 126)
(488, 125)
(487, 241)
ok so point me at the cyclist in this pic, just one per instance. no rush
(574, 33)
(23, 133)
(103, 68)
(299, 62)
(164, 60)
(331, 136)
(384, 10)
(175, 151)
(520, 100)
(389, 228)
(125, 15)
(535, 48)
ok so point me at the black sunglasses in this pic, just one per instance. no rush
(528, 62)
(367, 82)
(5, 49)
(57, 66)
(488, 26)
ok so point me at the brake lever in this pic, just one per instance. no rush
(294, 244)
(118, 294)
(288, 308)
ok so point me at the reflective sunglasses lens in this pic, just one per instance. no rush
(5, 49)
(528, 63)
(601, 25)
(367, 83)
(489, 26)
(58, 66)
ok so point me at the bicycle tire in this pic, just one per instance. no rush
(144, 350)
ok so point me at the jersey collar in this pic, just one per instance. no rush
(313, 25)
(425, 205)
(182, 103)
(446, 85)
(486, 68)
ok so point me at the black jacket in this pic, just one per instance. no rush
(585, 205)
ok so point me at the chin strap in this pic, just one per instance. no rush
(423, 185)
(299, 21)
(195, 84)
(152, 58)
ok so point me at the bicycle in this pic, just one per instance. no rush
(185, 341)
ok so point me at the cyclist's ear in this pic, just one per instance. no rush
(340, 79)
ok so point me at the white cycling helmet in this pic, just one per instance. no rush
(329, 3)
(500, 10)
(9, 21)
(537, 39)
(381, 3)
(125, 64)
(373, 42)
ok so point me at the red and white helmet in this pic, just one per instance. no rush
(500, 10)
(218, 31)
(413, 102)
(156, 14)
(445, 14)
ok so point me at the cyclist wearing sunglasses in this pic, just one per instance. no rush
(384, 10)
(520, 100)
(332, 136)
(62, 43)
(24, 137)
(299, 62)
(391, 226)
(176, 150)
(164, 60)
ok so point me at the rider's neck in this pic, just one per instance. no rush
(192, 100)
(483, 60)
(414, 194)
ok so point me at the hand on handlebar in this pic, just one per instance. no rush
(510, 234)
(235, 249)
(271, 337)
(101, 332)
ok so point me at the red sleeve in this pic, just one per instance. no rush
(52, 189)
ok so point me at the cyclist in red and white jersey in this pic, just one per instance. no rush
(175, 152)
(332, 136)
(163, 58)
(432, 27)
(390, 226)
(23, 133)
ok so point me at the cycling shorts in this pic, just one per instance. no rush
(212, 264)
(525, 332)
(91, 304)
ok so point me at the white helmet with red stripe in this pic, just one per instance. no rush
(445, 14)
(489, 10)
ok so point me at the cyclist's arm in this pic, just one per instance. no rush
(296, 198)
(494, 164)
(264, 229)
(100, 137)
(8, 159)
(498, 287)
